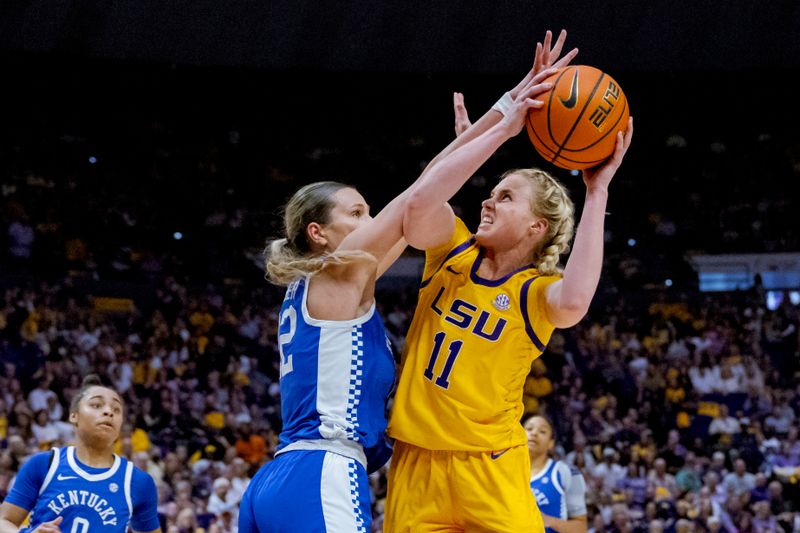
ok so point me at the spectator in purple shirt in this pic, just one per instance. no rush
(634, 485)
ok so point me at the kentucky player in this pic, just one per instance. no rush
(337, 370)
(84, 488)
(559, 489)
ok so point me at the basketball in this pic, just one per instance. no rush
(578, 124)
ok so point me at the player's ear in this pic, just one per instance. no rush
(73, 417)
(539, 226)
(316, 235)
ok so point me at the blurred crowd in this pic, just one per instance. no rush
(196, 373)
(681, 415)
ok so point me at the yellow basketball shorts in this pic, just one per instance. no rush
(454, 491)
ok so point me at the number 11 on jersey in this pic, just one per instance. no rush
(454, 347)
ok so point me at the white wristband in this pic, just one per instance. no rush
(504, 104)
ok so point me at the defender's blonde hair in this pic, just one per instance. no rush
(552, 202)
(291, 257)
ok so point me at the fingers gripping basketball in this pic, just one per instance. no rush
(577, 126)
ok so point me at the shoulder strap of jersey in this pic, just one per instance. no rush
(523, 299)
(454, 252)
(556, 476)
(127, 487)
(55, 459)
(436, 257)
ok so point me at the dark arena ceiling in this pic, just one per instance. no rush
(410, 36)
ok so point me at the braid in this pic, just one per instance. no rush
(559, 244)
(548, 261)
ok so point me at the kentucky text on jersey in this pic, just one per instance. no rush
(55, 484)
(84, 498)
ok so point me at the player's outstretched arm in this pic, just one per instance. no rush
(547, 55)
(383, 238)
(568, 299)
(428, 220)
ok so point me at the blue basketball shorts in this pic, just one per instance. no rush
(307, 491)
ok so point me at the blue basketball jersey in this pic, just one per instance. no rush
(88, 502)
(559, 491)
(336, 379)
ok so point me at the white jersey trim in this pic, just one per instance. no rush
(51, 471)
(346, 448)
(556, 483)
(543, 471)
(311, 321)
(128, 478)
(86, 475)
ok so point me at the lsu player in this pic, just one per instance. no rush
(86, 487)
(559, 489)
(487, 306)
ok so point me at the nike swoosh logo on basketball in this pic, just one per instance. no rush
(62, 477)
(450, 269)
(570, 102)
(498, 454)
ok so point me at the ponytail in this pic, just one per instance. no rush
(285, 265)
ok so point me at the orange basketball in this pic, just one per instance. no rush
(577, 127)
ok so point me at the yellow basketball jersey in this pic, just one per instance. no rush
(468, 352)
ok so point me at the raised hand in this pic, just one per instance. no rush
(545, 58)
(462, 118)
(514, 119)
(549, 56)
(601, 175)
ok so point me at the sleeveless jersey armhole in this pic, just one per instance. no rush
(51, 471)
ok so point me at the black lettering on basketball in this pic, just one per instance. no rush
(600, 114)
(598, 117)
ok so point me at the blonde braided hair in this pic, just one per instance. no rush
(552, 202)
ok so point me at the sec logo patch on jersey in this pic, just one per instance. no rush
(502, 302)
